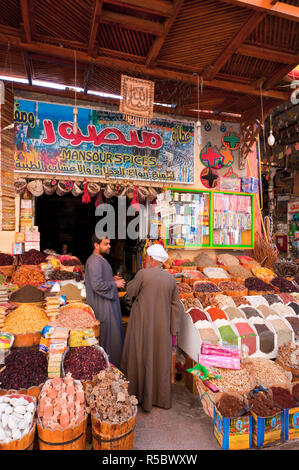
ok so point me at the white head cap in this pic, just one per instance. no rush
(157, 252)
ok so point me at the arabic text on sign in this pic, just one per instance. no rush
(107, 136)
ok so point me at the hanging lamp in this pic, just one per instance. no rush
(198, 123)
(271, 138)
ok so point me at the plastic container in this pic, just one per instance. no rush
(247, 337)
(266, 342)
(290, 332)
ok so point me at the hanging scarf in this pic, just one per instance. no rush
(99, 199)
(86, 197)
(135, 200)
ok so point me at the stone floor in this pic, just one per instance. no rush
(184, 427)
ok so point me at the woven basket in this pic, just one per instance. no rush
(77, 189)
(35, 304)
(31, 391)
(187, 295)
(198, 295)
(26, 442)
(236, 293)
(217, 280)
(191, 281)
(201, 268)
(255, 292)
(206, 397)
(35, 187)
(8, 270)
(62, 189)
(178, 269)
(26, 340)
(49, 187)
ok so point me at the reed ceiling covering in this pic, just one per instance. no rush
(238, 49)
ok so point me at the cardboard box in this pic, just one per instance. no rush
(229, 184)
(17, 248)
(269, 430)
(291, 423)
(249, 184)
(32, 236)
(32, 246)
(19, 237)
(26, 204)
(233, 433)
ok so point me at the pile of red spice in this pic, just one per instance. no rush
(216, 313)
(197, 314)
(283, 397)
(84, 362)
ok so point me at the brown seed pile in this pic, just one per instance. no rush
(202, 259)
(239, 271)
(230, 406)
(208, 300)
(240, 300)
(184, 288)
(191, 302)
(230, 285)
(262, 405)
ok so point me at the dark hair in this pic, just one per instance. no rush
(95, 239)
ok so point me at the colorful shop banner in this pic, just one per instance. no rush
(104, 144)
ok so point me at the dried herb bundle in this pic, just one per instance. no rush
(265, 252)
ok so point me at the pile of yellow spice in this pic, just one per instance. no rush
(25, 319)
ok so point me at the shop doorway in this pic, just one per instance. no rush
(65, 220)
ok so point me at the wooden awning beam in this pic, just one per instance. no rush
(26, 19)
(88, 78)
(127, 66)
(289, 12)
(28, 66)
(158, 43)
(94, 26)
(279, 74)
(131, 22)
(157, 7)
(57, 61)
(245, 30)
(265, 53)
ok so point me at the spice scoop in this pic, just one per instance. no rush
(260, 388)
(244, 410)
